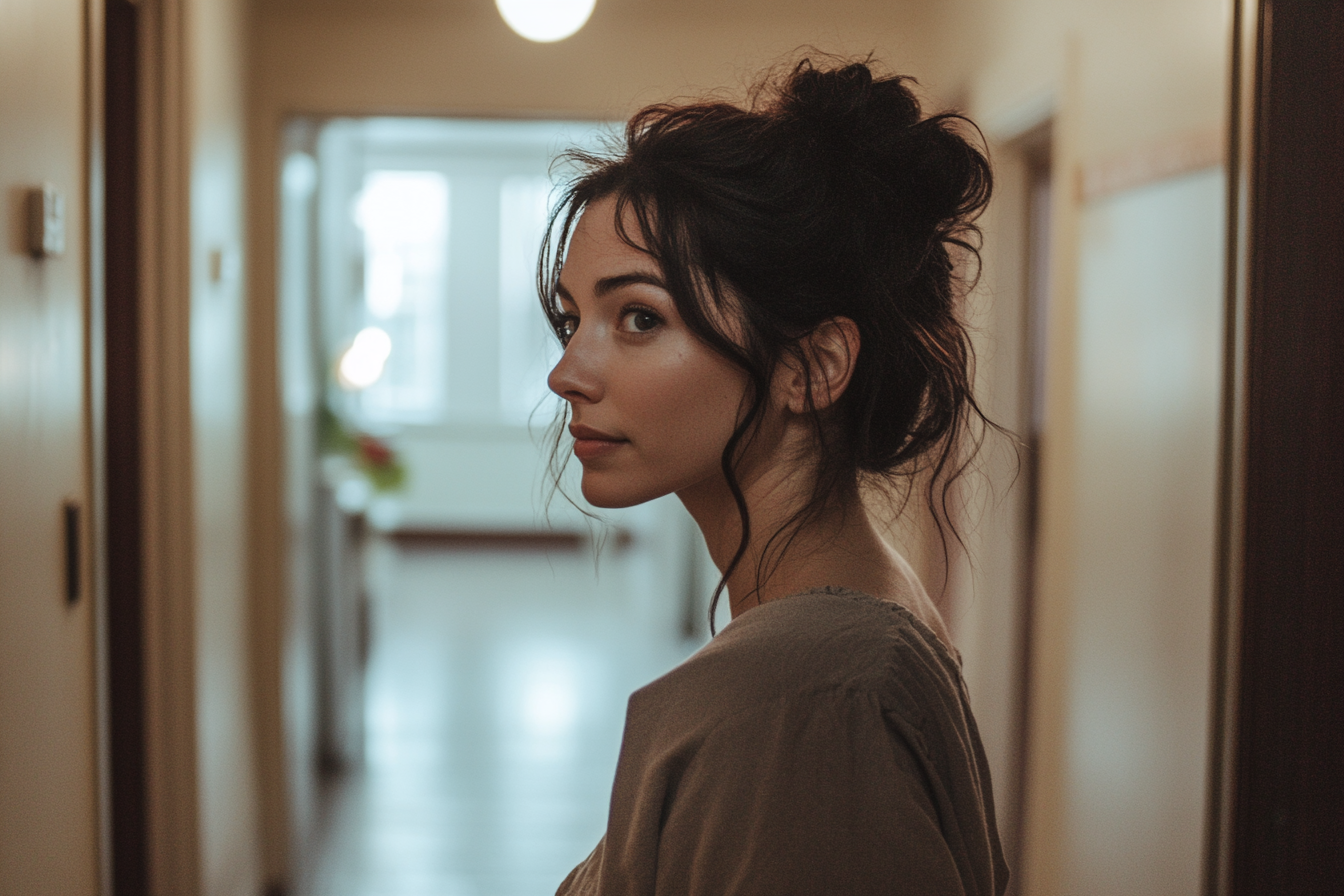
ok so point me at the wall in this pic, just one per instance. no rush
(1143, 70)
(203, 827)
(1148, 385)
(229, 827)
(201, 758)
(1117, 732)
(49, 797)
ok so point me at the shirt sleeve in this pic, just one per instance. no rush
(811, 795)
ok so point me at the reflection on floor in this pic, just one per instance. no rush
(495, 698)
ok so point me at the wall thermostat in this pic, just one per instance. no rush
(46, 221)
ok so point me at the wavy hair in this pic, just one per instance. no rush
(828, 194)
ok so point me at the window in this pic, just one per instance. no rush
(429, 231)
(527, 347)
(404, 219)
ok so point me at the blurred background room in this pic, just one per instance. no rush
(287, 605)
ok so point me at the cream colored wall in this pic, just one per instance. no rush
(49, 798)
(216, 31)
(1148, 387)
(1137, 93)
(201, 758)
(410, 57)
(989, 599)
(1143, 70)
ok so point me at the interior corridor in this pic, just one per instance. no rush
(495, 697)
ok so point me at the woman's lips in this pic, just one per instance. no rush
(591, 449)
(591, 443)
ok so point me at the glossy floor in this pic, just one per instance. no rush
(495, 699)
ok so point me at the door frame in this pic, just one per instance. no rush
(1276, 774)
(122, 543)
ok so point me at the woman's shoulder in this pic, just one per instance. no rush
(821, 643)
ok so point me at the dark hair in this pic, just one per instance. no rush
(828, 195)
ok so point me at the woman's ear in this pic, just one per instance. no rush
(822, 366)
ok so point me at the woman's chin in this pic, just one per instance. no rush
(613, 495)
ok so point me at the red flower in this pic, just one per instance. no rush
(374, 452)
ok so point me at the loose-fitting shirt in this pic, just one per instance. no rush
(821, 744)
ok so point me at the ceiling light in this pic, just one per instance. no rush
(545, 21)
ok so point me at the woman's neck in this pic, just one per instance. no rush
(838, 545)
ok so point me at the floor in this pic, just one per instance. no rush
(495, 699)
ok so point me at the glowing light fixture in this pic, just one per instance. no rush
(545, 21)
(362, 363)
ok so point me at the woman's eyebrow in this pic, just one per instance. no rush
(616, 281)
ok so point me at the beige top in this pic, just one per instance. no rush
(821, 744)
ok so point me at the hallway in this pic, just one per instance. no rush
(495, 699)
(1150, 612)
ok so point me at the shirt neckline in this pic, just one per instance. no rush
(947, 650)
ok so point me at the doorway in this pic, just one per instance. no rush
(471, 637)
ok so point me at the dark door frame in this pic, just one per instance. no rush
(1277, 785)
(123, 459)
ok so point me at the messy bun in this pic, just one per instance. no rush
(828, 195)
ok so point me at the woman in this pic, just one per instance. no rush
(759, 313)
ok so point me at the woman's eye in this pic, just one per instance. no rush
(566, 328)
(640, 320)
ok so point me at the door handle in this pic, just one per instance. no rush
(70, 515)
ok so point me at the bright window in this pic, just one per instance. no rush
(403, 216)
(527, 347)
(428, 232)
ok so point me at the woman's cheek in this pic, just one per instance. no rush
(695, 420)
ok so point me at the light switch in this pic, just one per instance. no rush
(222, 264)
(46, 221)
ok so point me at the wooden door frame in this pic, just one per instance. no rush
(95, 408)
(122, 538)
(1276, 773)
(149, 512)
(123, 542)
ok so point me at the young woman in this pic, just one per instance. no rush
(759, 308)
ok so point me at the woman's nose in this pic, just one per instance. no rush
(575, 378)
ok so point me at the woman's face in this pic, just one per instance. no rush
(652, 406)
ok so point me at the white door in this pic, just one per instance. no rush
(48, 741)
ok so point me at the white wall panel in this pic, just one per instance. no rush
(1149, 362)
(48, 740)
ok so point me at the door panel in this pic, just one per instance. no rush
(48, 789)
(1149, 356)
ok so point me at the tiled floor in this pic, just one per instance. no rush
(495, 698)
